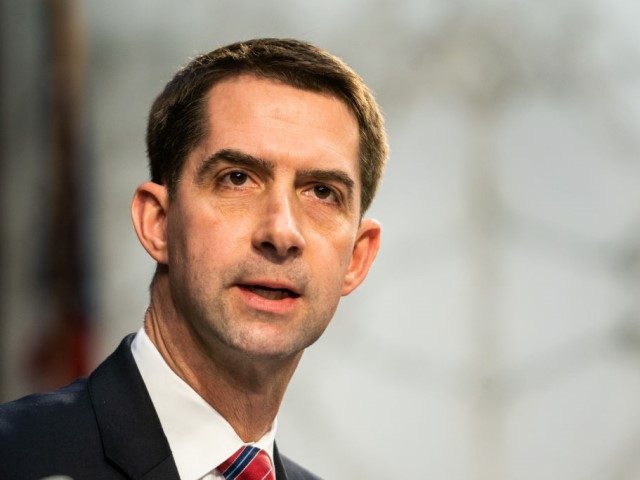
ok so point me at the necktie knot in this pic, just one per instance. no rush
(248, 463)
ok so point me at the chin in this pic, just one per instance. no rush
(272, 344)
(270, 352)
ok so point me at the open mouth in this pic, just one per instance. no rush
(271, 293)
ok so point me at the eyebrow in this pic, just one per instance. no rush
(267, 168)
(234, 157)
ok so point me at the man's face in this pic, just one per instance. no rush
(262, 229)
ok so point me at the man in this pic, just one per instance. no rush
(264, 155)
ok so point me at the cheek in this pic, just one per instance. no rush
(189, 244)
(335, 257)
(328, 223)
(213, 231)
(176, 241)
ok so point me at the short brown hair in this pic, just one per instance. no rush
(177, 122)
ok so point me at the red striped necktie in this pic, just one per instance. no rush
(248, 463)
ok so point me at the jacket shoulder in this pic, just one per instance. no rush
(47, 433)
(42, 412)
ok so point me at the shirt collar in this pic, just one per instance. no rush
(199, 437)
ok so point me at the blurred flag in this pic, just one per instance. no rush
(61, 350)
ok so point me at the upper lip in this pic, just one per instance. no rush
(275, 284)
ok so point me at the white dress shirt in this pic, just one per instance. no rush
(199, 437)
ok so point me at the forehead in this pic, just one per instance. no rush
(281, 123)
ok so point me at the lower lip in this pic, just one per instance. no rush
(257, 302)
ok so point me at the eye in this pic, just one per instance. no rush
(322, 191)
(324, 194)
(236, 182)
(237, 178)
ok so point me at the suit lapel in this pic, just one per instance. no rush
(132, 436)
(131, 433)
(281, 474)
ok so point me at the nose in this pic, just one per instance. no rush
(277, 234)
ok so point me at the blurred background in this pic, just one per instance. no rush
(498, 334)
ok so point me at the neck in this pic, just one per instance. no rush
(247, 392)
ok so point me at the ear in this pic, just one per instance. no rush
(149, 216)
(364, 252)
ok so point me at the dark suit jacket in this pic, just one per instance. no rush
(98, 428)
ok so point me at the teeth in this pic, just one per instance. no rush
(271, 293)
